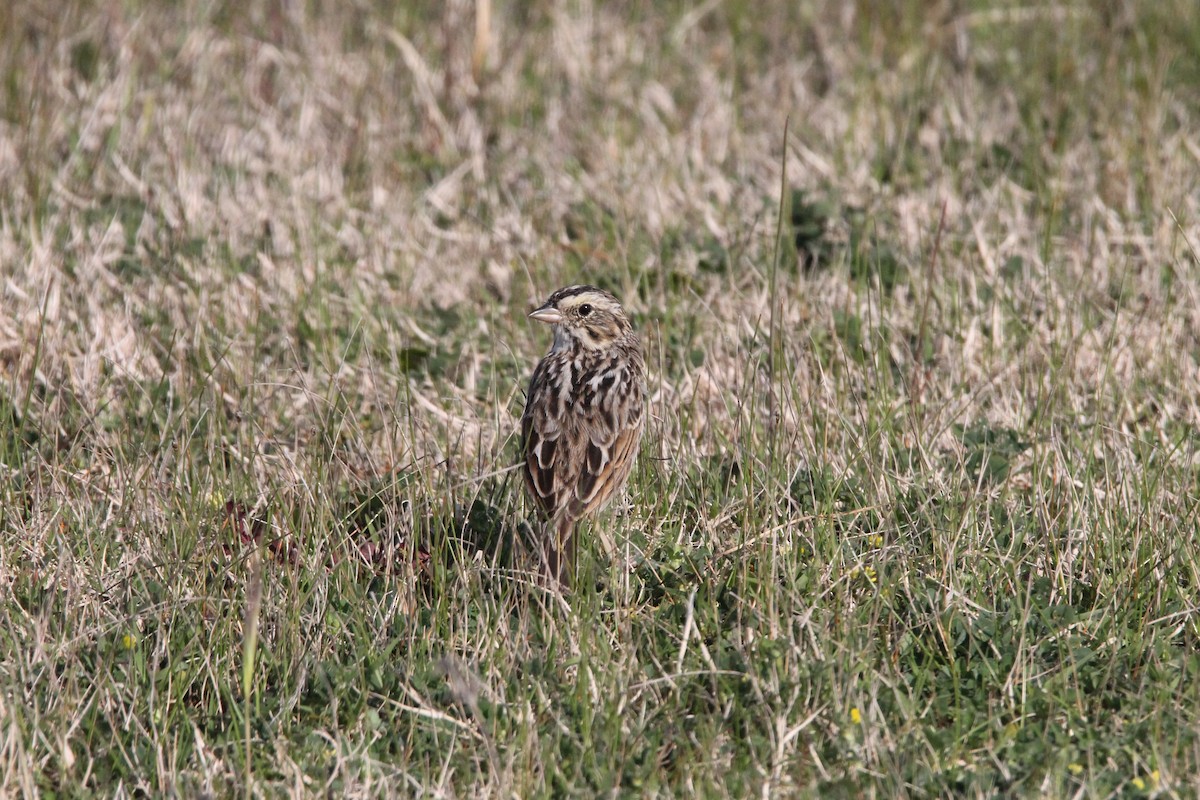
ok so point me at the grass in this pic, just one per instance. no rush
(916, 515)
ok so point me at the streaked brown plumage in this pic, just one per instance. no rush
(583, 416)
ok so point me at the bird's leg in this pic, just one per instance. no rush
(566, 544)
(558, 552)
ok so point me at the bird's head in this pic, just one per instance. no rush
(584, 316)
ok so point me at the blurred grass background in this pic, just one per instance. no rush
(916, 514)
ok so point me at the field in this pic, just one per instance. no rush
(917, 510)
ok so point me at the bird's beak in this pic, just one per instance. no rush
(548, 315)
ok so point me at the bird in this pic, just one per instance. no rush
(583, 418)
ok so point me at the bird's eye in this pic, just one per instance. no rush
(584, 310)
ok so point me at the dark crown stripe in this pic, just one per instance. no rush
(575, 291)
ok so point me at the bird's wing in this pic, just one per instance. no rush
(545, 445)
(540, 450)
(609, 458)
